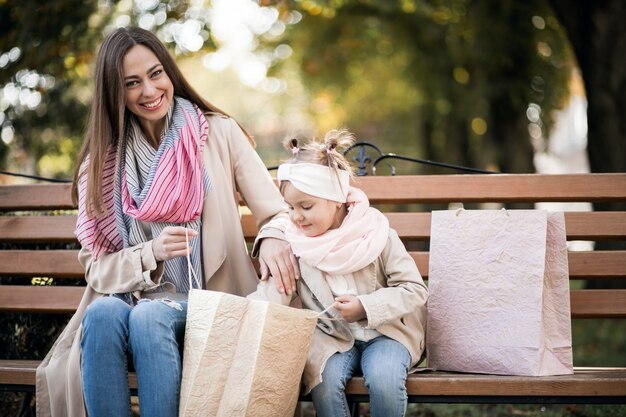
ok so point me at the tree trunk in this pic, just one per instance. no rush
(598, 36)
(595, 29)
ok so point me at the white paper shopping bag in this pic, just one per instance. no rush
(242, 358)
(499, 293)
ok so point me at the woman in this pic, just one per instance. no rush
(160, 167)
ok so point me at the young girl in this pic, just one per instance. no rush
(355, 270)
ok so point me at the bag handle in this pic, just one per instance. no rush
(190, 272)
(460, 209)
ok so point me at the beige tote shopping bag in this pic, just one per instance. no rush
(242, 358)
(499, 293)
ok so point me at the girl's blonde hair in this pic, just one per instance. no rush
(323, 152)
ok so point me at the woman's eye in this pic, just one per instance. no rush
(132, 83)
(306, 207)
(156, 73)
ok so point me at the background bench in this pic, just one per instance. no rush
(39, 251)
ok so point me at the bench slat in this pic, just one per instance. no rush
(37, 229)
(36, 197)
(64, 264)
(50, 299)
(585, 382)
(582, 265)
(410, 226)
(598, 303)
(508, 188)
(406, 189)
(59, 299)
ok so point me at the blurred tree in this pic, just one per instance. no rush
(47, 50)
(451, 79)
(598, 38)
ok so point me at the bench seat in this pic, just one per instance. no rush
(587, 385)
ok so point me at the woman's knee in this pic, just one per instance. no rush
(106, 311)
(152, 320)
(105, 319)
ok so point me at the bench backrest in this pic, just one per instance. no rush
(37, 224)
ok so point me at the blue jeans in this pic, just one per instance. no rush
(150, 335)
(384, 363)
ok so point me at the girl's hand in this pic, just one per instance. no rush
(350, 308)
(277, 259)
(172, 243)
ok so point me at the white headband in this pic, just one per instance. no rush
(317, 180)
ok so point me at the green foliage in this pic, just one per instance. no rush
(451, 79)
(47, 54)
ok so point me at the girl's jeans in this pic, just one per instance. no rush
(384, 363)
(151, 335)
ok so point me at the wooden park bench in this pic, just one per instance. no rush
(37, 222)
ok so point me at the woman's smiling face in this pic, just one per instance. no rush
(149, 90)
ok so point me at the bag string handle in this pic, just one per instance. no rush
(460, 209)
(190, 272)
(318, 316)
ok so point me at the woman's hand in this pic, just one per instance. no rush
(172, 243)
(350, 308)
(277, 259)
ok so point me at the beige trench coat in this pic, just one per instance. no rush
(393, 294)
(232, 165)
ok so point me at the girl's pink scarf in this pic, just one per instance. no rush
(176, 193)
(355, 244)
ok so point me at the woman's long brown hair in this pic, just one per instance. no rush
(108, 109)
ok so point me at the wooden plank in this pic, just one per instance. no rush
(23, 372)
(584, 382)
(592, 225)
(597, 225)
(598, 303)
(57, 299)
(597, 264)
(18, 372)
(64, 264)
(582, 265)
(494, 188)
(37, 229)
(406, 189)
(410, 226)
(40, 299)
(41, 263)
(36, 197)
(594, 382)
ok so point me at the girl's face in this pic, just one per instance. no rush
(312, 215)
(149, 91)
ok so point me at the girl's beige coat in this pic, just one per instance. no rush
(232, 165)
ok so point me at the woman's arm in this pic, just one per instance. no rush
(128, 270)
(269, 210)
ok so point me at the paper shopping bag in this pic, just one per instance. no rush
(499, 293)
(242, 358)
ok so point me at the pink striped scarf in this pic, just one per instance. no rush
(355, 244)
(173, 193)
